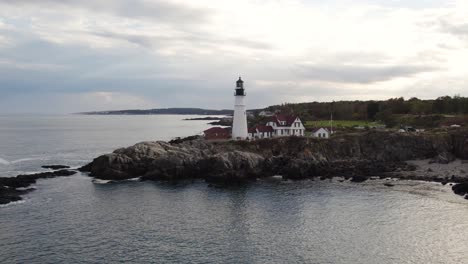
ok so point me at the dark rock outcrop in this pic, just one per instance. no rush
(461, 188)
(55, 167)
(356, 156)
(9, 186)
(459, 142)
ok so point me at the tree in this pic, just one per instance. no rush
(372, 109)
(386, 117)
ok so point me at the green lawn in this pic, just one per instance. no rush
(340, 123)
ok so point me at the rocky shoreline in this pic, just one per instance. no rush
(354, 157)
(357, 157)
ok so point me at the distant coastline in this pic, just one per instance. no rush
(162, 111)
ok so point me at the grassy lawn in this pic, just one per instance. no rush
(340, 123)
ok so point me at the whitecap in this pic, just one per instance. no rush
(98, 181)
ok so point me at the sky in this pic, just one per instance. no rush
(65, 56)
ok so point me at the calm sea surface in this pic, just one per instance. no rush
(73, 220)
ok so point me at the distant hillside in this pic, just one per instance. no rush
(163, 111)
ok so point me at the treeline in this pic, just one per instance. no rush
(376, 110)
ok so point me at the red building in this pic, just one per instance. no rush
(217, 133)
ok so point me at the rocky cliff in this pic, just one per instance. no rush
(357, 155)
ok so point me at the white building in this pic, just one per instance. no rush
(286, 126)
(266, 113)
(239, 122)
(261, 132)
(321, 132)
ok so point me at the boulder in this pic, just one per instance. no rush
(443, 158)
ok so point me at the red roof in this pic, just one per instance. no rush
(289, 119)
(215, 130)
(264, 129)
(261, 129)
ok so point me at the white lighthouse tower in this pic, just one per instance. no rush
(239, 122)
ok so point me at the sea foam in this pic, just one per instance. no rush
(13, 203)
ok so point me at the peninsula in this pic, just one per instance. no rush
(162, 111)
(357, 157)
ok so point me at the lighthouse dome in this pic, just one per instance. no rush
(240, 83)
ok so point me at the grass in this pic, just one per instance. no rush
(340, 123)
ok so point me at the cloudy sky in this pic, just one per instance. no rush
(82, 55)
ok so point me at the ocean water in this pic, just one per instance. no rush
(75, 220)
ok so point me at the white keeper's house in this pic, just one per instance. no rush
(279, 126)
(286, 125)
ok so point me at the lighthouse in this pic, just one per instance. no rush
(239, 122)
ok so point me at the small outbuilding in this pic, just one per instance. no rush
(217, 133)
(321, 132)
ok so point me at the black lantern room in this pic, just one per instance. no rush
(240, 87)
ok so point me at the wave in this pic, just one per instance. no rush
(99, 181)
(4, 162)
(133, 179)
(13, 203)
(25, 159)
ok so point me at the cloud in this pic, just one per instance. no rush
(358, 73)
(455, 29)
(187, 39)
(189, 53)
(161, 11)
(31, 66)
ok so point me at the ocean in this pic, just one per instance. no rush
(75, 220)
